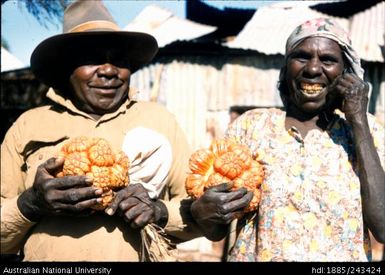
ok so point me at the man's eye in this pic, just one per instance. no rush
(121, 62)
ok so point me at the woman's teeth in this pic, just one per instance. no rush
(311, 89)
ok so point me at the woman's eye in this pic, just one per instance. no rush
(300, 56)
(328, 60)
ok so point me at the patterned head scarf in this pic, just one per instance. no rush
(326, 27)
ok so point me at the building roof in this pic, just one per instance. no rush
(367, 31)
(166, 27)
(230, 21)
(270, 26)
(268, 29)
(346, 8)
(9, 61)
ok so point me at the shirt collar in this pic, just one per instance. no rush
(58, 98)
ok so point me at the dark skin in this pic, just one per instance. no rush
(320, 61)
(99, 89)
(136, 207)
(218, 207)
(96, 90)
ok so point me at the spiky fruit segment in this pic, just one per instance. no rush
(201, 161)
(225, 161)
(94, 158)
(194, 186)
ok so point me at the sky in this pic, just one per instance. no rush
(23, 32)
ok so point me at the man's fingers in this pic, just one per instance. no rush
(68, 182)
(143, 219)
(111, 209)
(52, 165)
(121, 195)
(78, 207)
(48, 169)
(134, 212)
(128, 203)
(75, 195)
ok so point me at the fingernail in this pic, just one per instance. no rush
(99, 191)
(59, 158)
(89, 179)
(109, 211)
(99, 200)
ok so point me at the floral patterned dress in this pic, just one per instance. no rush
(311, 205)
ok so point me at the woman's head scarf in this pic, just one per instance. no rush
(326, 27)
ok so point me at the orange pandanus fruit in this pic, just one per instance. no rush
(93, 157)
(224, 161)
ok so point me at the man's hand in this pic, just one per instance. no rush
(136, 207)
(217, 207)
(70, 195)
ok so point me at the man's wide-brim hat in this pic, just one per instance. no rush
(89, 35)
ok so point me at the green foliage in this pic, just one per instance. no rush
(4, 44)
(45, 11)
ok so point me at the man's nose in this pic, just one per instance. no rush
(107, 70)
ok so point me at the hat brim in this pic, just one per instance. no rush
(54, 59)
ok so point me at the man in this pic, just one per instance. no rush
(50, 219)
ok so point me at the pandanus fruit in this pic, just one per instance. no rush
(93, 157)
(224, 161)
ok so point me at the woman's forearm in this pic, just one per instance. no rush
(372, 178)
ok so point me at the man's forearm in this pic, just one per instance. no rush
(14, 226)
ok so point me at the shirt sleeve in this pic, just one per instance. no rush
(150, 159)
(14, 226)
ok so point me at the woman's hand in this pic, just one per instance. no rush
(217, 207)
(136, 207)
(354, 94)
(70, 195)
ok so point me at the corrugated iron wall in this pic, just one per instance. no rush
(200, 89)
(367, 31)
(375, 74)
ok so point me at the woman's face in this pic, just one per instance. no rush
(311, 68)
(100, 89)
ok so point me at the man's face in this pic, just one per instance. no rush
(311, 68)
(100, 89)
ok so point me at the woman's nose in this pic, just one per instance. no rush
(313, 67)
(107, 70)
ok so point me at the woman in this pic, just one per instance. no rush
(324, 185)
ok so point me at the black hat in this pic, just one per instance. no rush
(89, 31)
